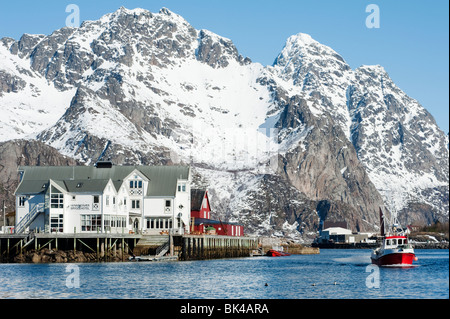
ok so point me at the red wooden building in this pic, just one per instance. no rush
(201, 222)
(200, 207)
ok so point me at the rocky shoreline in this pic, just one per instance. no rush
(440, 245)
(60, 256)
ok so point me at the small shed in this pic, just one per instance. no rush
(216, 227)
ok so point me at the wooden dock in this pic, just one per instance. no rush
(107, 247)
(80, 247)
(195, 247)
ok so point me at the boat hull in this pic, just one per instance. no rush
(394, 259)
(276, 253)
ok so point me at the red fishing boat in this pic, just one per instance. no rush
(395, 249)
(276, 253)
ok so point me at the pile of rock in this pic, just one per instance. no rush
(60, 256)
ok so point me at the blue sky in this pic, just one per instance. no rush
(412, 43)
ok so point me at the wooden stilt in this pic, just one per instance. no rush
(98, 249)
(123, 249)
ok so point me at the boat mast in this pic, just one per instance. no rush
(382, 223)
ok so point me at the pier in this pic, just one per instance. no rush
(58, 247)
(195, 247)
(107, 247)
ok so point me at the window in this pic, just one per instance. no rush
(112, 223)
(159, 223)
(182, 187)
(56, 223)
(91, 222)
(135, 184)
(168, 203)
(57, 200)
(135, 204)
(114, 200)
(96, 201)
(107, 200)
(107, 223)
(22, 200)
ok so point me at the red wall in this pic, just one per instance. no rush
(222, 230)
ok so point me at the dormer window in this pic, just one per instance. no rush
(135, 184)
(79, 185)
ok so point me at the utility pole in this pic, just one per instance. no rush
(4, 215)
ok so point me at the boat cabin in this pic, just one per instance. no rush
(391, 242)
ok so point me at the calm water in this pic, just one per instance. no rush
(287, 278)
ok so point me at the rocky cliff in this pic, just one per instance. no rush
(281, 147)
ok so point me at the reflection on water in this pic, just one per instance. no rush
(333, 274)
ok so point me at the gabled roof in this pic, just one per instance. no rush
(32, 187)
(163, 179)
(197, 196)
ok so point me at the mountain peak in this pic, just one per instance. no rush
(123, 10)
(302, 52)
(165, 11)
(301, 38)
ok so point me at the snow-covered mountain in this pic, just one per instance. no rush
(280, 147)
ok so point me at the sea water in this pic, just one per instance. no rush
(332, 274)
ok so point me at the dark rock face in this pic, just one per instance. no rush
(348, 139)
(216, 51)
(10, 83)
(17, 153)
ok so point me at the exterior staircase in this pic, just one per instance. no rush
(28, 218)
(162, 250)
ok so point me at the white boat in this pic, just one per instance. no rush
(395, 249)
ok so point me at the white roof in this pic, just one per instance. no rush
(337, 231)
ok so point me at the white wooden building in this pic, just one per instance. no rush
(103, 198)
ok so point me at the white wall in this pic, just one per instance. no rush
(83, 204)
(183, 198)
